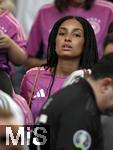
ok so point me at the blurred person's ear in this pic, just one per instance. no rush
(105, 84)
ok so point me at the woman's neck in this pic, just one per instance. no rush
(77, 4)
(66, 67)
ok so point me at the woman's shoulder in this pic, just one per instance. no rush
(74, 76)
(33, 71)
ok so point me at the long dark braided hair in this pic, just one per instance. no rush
(89, 55)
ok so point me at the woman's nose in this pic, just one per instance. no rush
(67, 38)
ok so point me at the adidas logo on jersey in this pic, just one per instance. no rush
(40, 93)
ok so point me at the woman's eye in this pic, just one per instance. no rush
(76, 34)
(61, 33)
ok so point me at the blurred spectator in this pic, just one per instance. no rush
(6, 86)
(12, 39)
(107, 121)
(74, 112)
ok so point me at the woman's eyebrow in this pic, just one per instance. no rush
(75, 29)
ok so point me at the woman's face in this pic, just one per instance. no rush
(70, 39)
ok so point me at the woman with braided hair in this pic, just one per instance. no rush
(71, 46)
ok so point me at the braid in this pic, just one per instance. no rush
(89, 55)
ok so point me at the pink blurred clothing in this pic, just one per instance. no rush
(10, 26)
(40, 94)
(100, 16)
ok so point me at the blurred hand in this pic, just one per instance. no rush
(5, 40)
